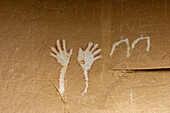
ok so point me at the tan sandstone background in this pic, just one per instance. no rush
(28, 28)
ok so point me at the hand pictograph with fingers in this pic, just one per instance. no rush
(86, 59)
(63, 57)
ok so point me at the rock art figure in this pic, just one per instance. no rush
(63, 57)
(117, 43)
(86, 59)
(142, 38)
(128, 46)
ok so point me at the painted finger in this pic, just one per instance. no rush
(59, 46)
(89, 46)
(98, 57)
(79, 58)
(71, 51)
(80, 51)
(54, 50)
(96, 52)
(64, 45)
(53, 55)
(95, 46)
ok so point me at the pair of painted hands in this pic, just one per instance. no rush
(85, 58)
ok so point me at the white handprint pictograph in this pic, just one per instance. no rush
(86, 59)
(63, 57)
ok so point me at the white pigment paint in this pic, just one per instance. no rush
(132, 46)
(61, 80)
(86, 59)
(117, 43)
(142, 38)
(87, 80)
(63, 57)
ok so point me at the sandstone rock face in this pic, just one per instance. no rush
(90, 71)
